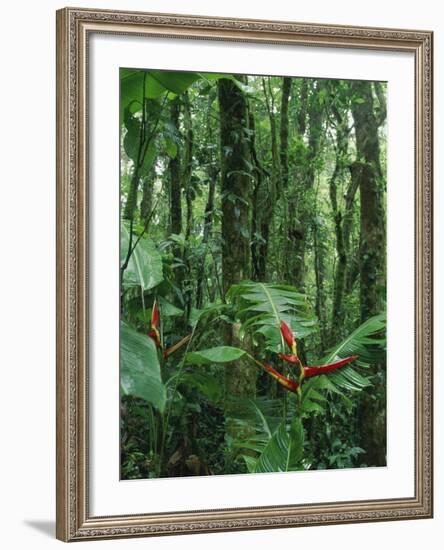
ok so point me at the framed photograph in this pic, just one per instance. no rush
(244, 274)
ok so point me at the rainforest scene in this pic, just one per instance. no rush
(252, 274)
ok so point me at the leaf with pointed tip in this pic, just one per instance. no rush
(220, 354)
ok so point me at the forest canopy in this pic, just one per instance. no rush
(253, 273)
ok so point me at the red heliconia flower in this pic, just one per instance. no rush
(305, 372)
(288, 336)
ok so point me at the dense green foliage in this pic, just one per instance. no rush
(249, 201)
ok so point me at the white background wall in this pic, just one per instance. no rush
(27, 307)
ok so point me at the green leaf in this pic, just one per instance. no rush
(170, 148)
(284, 450)
(168, 309)
(368, 343)
(216, 76)
(261, 307)
(262, 413)
(140, 368)
(220, 354)
(145, 265)
(175, 81)
(133, 91)
(250, 462)
(206, 383)
(132, 137)
(144, 155)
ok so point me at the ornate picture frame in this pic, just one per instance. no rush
(74, 518)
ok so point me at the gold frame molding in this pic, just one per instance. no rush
(73, 519)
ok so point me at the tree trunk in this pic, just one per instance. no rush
(294, 236)
(367, 171)
(188, 164)
(320, 253)
(208, 225)
(146, 204)
(175, 183)
(187, 184)
(236, 184)
(240, 377)
(343, 220)
(283, 151)
(300, 202)
(262, 209)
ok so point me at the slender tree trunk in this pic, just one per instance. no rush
(294, 231)
(188, 165)
(175, 170)
(265, 189)
(367, 171)
(175, 183)
(319, 269)
(146, 204)
(343, 219)
(300, 203)
(283, 151)
(262, 209)
(208, 225)
(187, 184)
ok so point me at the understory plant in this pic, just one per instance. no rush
(272, 320)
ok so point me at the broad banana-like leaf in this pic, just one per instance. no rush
(136, 84)
(140, 368)
(145, 265)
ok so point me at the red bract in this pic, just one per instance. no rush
(154, 334)
(155, 315)
(288, 336)
(290, 385)
(316, 371)
(293, 359)
(155, 319)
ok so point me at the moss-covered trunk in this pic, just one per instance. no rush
(240, 377)
(236, 183)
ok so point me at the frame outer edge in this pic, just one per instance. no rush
(62, 279)
(427, 250)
